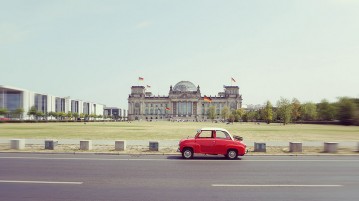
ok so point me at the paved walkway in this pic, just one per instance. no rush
(169, 143)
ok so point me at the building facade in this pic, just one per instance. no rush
(113, 113)
(184, 102)
(12, 98)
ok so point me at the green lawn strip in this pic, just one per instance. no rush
(164, 130)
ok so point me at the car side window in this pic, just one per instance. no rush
(222, 135)
(205, 134)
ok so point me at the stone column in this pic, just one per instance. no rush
(295, 147)
(260, 147)
(330, 147)
(86, 145)
(18, 144)
(154, 145)
(120, 145)
(51, 144)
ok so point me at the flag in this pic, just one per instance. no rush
(140, 78)
(233, 80)
(208, 99)
(148, 86)
(167, 108)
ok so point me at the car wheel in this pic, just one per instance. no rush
(232, 154)
(187, 153)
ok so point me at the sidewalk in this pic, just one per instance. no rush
(168, 143)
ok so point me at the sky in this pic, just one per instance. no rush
(95, 50)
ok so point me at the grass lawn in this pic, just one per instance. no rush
(176, 130)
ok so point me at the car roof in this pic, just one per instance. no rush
(213, 128)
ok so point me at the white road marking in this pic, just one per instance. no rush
(90, 159)
(40, 182)
(272, 185)
(194, 160)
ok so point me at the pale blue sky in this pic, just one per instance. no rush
(96, 50)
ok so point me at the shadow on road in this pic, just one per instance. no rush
(202, 157)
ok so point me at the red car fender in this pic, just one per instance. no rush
(241, 150)
(192, 145)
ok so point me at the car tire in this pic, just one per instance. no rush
(232, 154)
(187, 153)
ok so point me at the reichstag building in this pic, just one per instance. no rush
(184, 102)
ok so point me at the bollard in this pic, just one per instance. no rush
(330, 147)
(260, 147)
(18, 144)
(295, 147)
(86, 145)
(51, 144)
(120, 145)
(154, 146)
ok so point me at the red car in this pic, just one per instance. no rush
(212, 141)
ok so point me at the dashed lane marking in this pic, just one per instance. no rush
(40, 182)
(272, 185)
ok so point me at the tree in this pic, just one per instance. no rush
(86, 117)
(211, 112)
(3, 111)
(93, 116)
(268, 113)
(225, 113)
(39, 114)
(57, 115)
(284, 110)
(238, 114)
(32, 112)
(69, 115)
(309, 111)
(231, 117)
(295, 110)
(75, 115)
(19, 113)
(62, 115)
(347, 111)
(326, 111)
(251, 115)
(51, 114)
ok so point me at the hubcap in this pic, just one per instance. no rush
(187, 154)
(231, 154)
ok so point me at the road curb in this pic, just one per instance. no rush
(176, 154)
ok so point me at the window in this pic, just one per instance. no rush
(205, 134)
(222, 135)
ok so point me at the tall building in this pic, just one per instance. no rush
(12, 98)
(184, 102)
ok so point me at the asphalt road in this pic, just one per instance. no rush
(120, 177)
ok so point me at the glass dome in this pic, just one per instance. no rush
(185, 86)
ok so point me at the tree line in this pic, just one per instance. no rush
(39, 115)
(344, 111)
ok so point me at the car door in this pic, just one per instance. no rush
(205, 141)
(222, 140)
